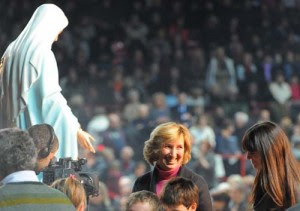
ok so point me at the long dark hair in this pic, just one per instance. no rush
(279, 174)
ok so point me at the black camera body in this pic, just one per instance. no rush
(66, 167)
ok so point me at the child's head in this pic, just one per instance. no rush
(73, 189)
(143, 200)
(180, 194)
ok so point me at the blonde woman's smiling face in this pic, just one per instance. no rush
(171, 154)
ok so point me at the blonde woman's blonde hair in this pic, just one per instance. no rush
(72, 188)
(165, 133)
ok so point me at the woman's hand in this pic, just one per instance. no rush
(84, 138)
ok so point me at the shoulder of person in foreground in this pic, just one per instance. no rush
(33, 196)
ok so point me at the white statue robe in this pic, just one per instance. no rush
(29, 86)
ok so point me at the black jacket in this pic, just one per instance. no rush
(266, 203)
(148, 182)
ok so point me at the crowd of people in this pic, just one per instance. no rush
(24, 154)
(171, 185)
(128, 67)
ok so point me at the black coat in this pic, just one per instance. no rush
(148, 182)
(266, 203)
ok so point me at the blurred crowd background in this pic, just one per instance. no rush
(217, 66)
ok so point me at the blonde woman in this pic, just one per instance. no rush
(73, 189)
(168, 150)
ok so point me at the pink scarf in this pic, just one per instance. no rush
(163, 177)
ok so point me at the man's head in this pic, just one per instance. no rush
(17, 151)
(180, 194)
(46, 143)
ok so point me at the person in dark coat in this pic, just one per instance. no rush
(168, 150)
(276, 185)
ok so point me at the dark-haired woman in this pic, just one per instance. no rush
(276, 185)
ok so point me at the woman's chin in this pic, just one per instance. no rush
(171, 166)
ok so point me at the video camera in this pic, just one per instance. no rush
(65, 167)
